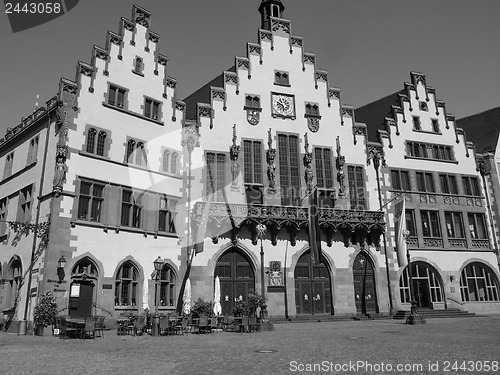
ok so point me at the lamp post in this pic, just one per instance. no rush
(415, 317)
(60, 268)
(158, 264)
(261, 230)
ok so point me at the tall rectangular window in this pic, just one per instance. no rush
(477, 226)
(454, 224)
(430, 223)
(216, 175)
(252, 160)
(116, 96)
(400, 180)
(166, 215)
(356, 177)
(135, 152)
(9, 161)
(3, 216)
(425, 182)
(416, 123)
(151, 108)
(448, 184)
(25, 204)
(32, 150)
(288, 149)
(90, 201)
(471, 186)
(131, 209)
(435, 126)
(323, 161)
(410, 222)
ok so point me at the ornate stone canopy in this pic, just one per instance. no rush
(228, 220)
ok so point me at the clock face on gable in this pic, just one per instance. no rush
(283, 105)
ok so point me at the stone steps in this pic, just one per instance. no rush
(434, 314)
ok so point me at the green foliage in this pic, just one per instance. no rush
(249, 307)
(202, 307)
(45, 310)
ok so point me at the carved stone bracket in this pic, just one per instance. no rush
(360, 227)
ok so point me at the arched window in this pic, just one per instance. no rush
(167, 286)
(84, 267)
(478, 283)
(165, 161)
(126, 283)
(173, 166)
(91, 140)
(427, 285)
(101, 139)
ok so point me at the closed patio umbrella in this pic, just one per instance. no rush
(217, 306)
(145, 291)
(186, 298)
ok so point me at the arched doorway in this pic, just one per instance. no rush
(427, 285)
(237, 278)
(365, 293)
(312, 287)
(83, 280)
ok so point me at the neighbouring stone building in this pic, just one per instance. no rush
(116, 171)
(430, 161)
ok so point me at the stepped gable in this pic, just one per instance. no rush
(381, 115)
(199, 103)
(483, 129)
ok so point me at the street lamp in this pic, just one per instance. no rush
(415, 317)
(158, 264)
(261, 230)
(60, 268)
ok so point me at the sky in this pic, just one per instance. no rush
(368, 47)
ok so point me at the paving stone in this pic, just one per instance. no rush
(287, 348)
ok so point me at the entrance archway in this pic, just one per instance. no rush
(237, 278)
(81, 297)
(312, 287)
(427, 285)
(365, 292)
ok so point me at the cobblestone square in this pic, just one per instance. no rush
(357, 347)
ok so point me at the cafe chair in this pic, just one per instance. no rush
(213, 324)
(66, 331)
(252, 323)
(99, 325)
(139, 325)
(88, 328)
(181, 326)
(203, 324)
(228, 323)
(244, 323)
(164, 325)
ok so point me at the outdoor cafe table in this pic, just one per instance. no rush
(78, 324)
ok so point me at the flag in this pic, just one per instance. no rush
(400, 218)
(202, 227)
(314, 231)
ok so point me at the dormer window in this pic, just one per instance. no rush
(281, 78)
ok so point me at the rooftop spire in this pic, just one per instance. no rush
(268, 9)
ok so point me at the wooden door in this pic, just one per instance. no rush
(237, 279)
(81, 298)
(364, 285)
(312, 287)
